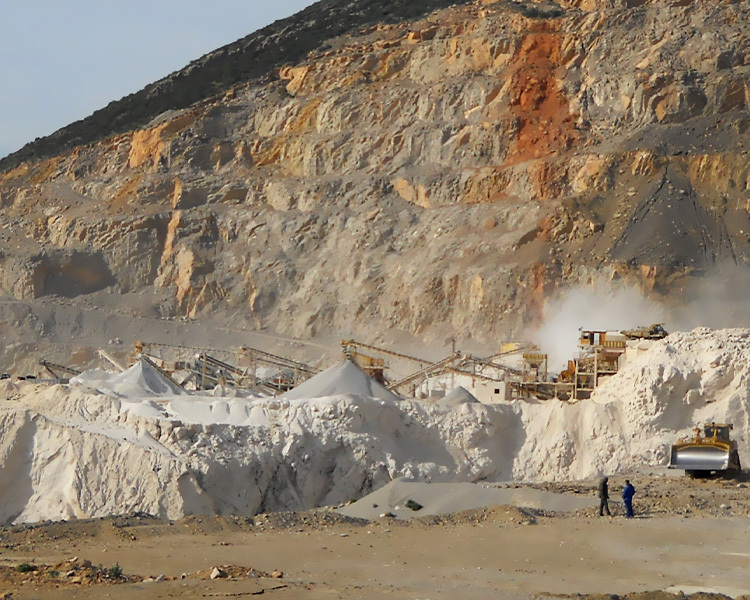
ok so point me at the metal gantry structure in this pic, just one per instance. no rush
(456, 363)
(238, 368)
(599, 355)
(201, 368)
(60, 373)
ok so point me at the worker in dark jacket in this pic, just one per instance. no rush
(604, 497)
(627, 497)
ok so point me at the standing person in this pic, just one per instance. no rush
(627, 497)
(604, 497)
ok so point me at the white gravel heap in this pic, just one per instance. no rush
(73, 451)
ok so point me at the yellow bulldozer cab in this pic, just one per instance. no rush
(719, 431)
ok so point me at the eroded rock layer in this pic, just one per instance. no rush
(440, 177)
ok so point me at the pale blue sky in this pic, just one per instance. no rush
(60, 61)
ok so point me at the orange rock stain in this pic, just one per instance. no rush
(537, 100)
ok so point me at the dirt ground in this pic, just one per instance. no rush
(688, 536)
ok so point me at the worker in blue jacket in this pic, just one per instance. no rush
(627, 497)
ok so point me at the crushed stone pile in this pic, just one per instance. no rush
(121, 443)
(345, 378)
(459, 395)
(142, 379)
(408, 499)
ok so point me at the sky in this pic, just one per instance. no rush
(61, 61)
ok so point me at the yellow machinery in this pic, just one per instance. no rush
(534, 366)
(598, 357)
(652, 332)
(713, 451)
(374, 367)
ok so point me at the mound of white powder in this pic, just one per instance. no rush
(112, 444)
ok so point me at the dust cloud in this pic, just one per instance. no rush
(717, 301)
(603, 307)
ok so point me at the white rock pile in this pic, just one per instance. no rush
(115, 444)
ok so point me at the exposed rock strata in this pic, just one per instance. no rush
(439, 177)
(257, 55)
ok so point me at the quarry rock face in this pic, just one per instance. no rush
(439, 177)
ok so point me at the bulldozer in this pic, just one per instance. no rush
(652, 332)
(711, 451)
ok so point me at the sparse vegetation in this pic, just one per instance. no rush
(540, 10)
(115, 571)
(25, 568)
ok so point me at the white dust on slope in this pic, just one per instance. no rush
(634, 417)
(67, 451)
(442, 498)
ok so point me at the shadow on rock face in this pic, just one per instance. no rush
(71, 275)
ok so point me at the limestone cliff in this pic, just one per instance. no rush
(440, 177)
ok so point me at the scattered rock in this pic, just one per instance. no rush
(217, 573)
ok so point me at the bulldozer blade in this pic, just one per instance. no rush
(702, 458)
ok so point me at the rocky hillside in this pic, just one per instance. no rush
(254, 56)
(438, 177)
